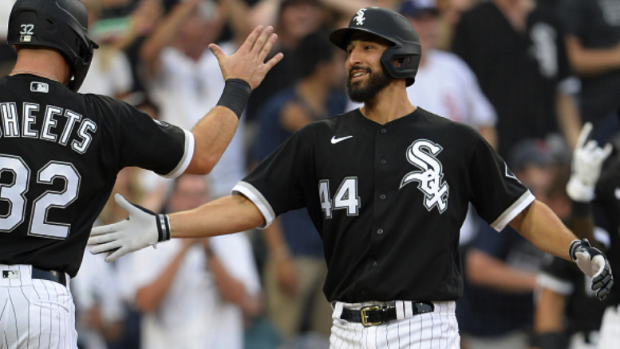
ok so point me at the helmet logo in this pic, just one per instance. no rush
(26, 33)
(359, 17)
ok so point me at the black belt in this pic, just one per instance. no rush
(377, 314)
(50, 275)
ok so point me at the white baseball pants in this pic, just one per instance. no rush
(610, 328)
(34, 314)
(436, 330)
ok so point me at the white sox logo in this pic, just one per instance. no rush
(422, 155)
(359, 17)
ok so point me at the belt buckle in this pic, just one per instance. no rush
(364, 317)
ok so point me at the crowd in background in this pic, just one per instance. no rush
(525, 73)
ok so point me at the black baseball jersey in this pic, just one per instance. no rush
(60, 152)
(388, 200)
(606, 211)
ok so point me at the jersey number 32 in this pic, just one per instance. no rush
(15, 194)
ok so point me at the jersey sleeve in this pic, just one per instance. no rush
(275, 185)
(497, 194)
(151, 144)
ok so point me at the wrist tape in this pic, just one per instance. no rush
(161, 221)
(235, 95)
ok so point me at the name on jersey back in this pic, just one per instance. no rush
(46, 123)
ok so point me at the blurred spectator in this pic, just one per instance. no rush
(593, 45)
(110, 70)
(595, 216)
(7, 53)
(296, 267)
(295, 19)
(517, 52)
(500, 268)
(194, 293)
(450, 15)
(568, 313)
(184, 78)
(446, 85)
(100, 310)
(123, 24)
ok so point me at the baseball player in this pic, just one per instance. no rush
(594, 187)
(387, 186)
(60, 152)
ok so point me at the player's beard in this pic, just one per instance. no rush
(364, 91)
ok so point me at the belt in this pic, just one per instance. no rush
(379, 314)
(50, 275)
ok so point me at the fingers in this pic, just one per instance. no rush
(105, 247)
(274, 60)
(262, 40)
(116, 255)
(124, 204)
(217, 51)
(105, 229)
(101, 239)
(266, 48)
(602, 284)
(606, 151)
(583, 135)
(251, 39)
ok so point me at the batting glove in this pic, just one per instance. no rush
(588, 160)
(143, 228)
(594, 264)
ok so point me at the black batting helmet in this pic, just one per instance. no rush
(393, 27)
(58, 24)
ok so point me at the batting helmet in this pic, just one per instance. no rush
(393, 27)
(58, 24)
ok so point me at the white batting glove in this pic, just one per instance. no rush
(594, 264)
(143, 228)
(588, 160)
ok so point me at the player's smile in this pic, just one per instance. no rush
(358, 74)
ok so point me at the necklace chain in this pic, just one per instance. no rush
(16, 72)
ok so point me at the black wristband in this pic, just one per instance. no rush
(163, 227)
(235, 95)
(550, 340)
(581, 209)
(161, 221)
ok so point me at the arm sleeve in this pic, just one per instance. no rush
(154, 145)
(275, 185)
(497, 194)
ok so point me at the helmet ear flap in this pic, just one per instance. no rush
(409, 56)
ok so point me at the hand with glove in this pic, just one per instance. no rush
(594, 264)
(143, 228)
(588, 160)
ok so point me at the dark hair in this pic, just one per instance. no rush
(313, 49)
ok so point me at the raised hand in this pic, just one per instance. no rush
(248, 63)
(588, 159)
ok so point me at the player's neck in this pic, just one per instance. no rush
(389, 104)
(44, 63)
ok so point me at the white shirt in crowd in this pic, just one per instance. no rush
(193, 315)
(185, 90)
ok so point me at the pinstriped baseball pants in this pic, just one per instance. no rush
(34, 314)
(436, 330)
